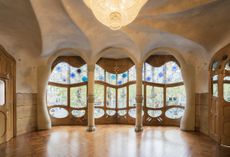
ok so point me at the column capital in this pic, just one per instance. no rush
(91, 67)
(90, 98)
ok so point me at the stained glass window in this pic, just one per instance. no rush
(227, 88)
(67, 89)
(122, 97)
(99, 73)
(122, 78)
(132, 74)
(2, 93)
(117, 91)
(56, 96)
(78, 97)
(63, 73)
(99, 95)
(175, 96)
(111, 97)
(164, 88)
(154, 97)
(132, 95)
(167, 73)
(111, 78)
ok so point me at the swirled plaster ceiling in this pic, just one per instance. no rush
(195, 28)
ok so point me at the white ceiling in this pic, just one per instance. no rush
(194, 28)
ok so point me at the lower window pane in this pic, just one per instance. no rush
(176, 96)
(154, 97)
(132, 95)
(122, 97)
(58, 112)
(56, 96)
(111, 97)
(78, 97)
(78, 113)
(174, 113)
(99, 95)
(98, 112)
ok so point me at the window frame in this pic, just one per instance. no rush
(4, 92)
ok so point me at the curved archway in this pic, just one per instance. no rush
(188, 72)
(115, 78)
(44, 71)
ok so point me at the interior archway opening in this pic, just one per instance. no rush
(115, 91)
(67, 91)
(163, 91)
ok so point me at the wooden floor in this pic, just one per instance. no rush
(112, 141)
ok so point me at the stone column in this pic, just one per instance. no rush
(139, 99)
(43, 118)
(91, 121)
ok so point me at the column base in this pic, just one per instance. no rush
(138, 128)
(91, 128)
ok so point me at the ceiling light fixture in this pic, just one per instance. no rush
(115, 13)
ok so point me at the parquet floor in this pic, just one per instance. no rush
(112, 141)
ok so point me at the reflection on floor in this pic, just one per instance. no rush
(113, 141)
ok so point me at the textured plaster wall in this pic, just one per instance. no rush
(37, 30)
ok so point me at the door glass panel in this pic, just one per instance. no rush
(99, 95)
(111, 97)
(154, 97)
(227, 67)
(122, 97)
(132, 95)
(215, 85)
(56, 96)
(78, 97)
(227, 88)
(175, 96)
(2, 93)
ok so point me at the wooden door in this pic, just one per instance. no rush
(214, 119)
(7, 96)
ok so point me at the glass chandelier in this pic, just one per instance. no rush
(115, 13)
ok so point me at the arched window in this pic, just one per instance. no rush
(164, 91)
(115, 91)
(67, 91)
